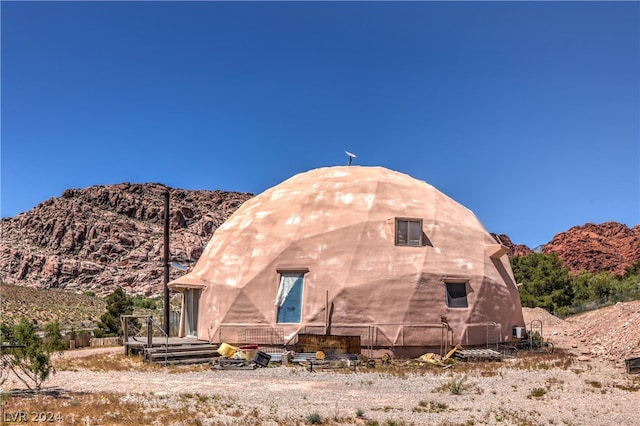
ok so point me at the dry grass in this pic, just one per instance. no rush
(530, 361)
(120, 362)
(560, 359)
(632, 385)
(106, 408)
(43, 305)
(509, 417)
(431, 407)
(123, 409)
(191, 408)
(72, 310)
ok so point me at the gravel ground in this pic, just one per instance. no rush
(586, 387)
(591, 392)
(285, 392)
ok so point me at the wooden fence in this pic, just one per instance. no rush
(79, 340)
(106, 341)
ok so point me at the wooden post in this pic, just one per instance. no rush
(149, 333)
(166, 260)
(326, 314)
(125, 331)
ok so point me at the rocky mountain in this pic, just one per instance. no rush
(106, 236)
(609, 246)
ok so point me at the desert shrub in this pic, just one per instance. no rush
(144, 302)
(456, 386)
(537, 393)
(118, 303)
(314, 419)
(430, 407)
(31, 361)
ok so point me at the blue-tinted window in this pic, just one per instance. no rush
(289, 298)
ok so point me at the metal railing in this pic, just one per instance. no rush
(493, 334)
(370, 333)
(150, 324)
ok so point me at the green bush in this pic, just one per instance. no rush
(314, 419)
(53, 341)
(144, 303)
(537, 393)
(31, 362)
(549, 285)
(546, 283)
(118, 303)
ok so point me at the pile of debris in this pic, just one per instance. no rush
(240, 358)
(250, 357)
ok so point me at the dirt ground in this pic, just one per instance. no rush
(611, 333)
(583, 383)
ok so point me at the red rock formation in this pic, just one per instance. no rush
(102, 236)
(514, 249)
(609, 246)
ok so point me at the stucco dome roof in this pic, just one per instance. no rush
(326, 213)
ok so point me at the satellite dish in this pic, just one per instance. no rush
(351, 157)
(179, 266)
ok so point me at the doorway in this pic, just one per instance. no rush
(191, 304)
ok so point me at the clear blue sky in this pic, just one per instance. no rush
(526, 113)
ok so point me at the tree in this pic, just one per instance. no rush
(583, 291)
(31, 363)
(633, 270)
(118, 303)
(546, 283)
(53, 337)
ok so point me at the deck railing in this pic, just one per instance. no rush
(131, 328)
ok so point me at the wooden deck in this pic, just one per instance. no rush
(138, 343)
(161, 341)
(174, 350)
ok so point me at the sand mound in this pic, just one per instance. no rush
(611, 333)
(549, 321)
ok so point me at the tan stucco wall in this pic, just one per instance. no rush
(339, 222)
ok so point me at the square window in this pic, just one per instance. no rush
(409, 232)
(457, 295)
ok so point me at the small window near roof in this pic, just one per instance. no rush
(409, 232)
(457, 295)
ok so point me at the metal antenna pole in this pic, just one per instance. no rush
(165, 261)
